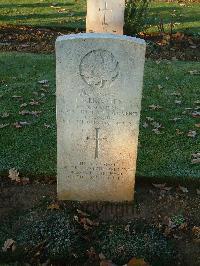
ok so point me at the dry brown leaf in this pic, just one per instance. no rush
(137, 262)
(192, 133)
(25, 180)
(53, 206)
(175, 119)
(194, 72)
(14, 175)
(155, 107)
(17, 125)
(23, 105)
(178, 132)
(196, 114)
(82, 213)
(4, 115)
(195, 161)
(9, 244)
(183, 189)
(16, 96)
(101, 256)
(178, 101)
(149, 119)
(160, 186)
(175, 93)
(196, 158)
(196, 232)
(4, 125)
(46, 125)
(107, 263)
(44, 81)
(156, 124)
(34, 102)
(156, 131)
(145, 125)
(197, 125)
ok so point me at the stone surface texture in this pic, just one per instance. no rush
(99, 89)
(105, 16)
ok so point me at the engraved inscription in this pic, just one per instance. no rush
(99, 68)
(97, 143)
(104, 13)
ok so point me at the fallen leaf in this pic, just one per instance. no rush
(23, 105)
(183, 189)
(175, 119)
(178, 101)
(137, 262)
(192, 133)
(33, 102)
(53, 206)
(16, 96)
(149, 118)
(175, 93)
(44, 81)
(197, 125)
(9, 244)
(194, 72)
(145, 125)
(24, 112)
(156, 124)
(156, 131)
(46, 125)
(196, 114)
(36, 113)
(4, 125)
(17, 125)
(107, 263)
(155, 107)
(179, 132)
(25, 180)
(162, 186)
(14, 175)
(198, 191)
(4, 115)
(195, 161)
(82, 213)
(196, 231)
(24, 123)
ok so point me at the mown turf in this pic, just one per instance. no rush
(71, 14)
(32, 148)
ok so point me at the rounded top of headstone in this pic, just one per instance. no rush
(101, 36)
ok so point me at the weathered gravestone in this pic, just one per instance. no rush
(99, 89)
(105, 16)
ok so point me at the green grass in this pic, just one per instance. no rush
(186, 18)
(32, 148)
(71, 15)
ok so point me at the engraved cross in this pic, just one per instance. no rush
(97, 140)
(104, 15)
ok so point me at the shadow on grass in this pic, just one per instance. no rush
(41, 16)
(36, 5)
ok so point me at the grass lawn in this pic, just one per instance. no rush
(165, 148)
(71, 14)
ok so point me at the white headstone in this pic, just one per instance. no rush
(99, 90)
(105, 16)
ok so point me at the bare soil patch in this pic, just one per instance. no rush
(174, 210)
(40, 40)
